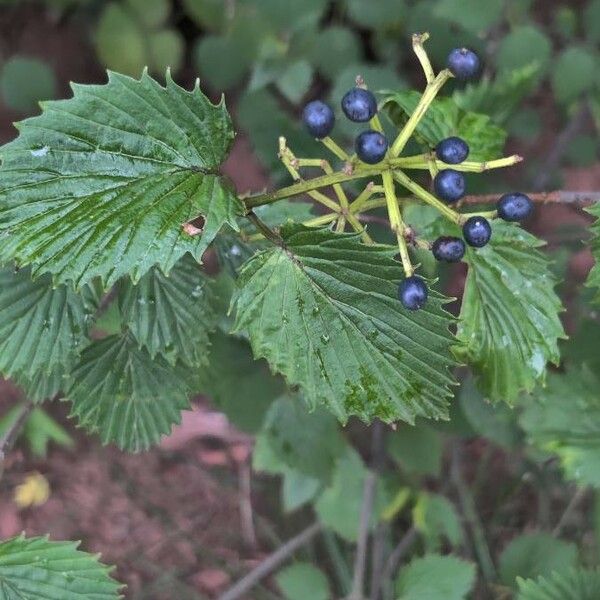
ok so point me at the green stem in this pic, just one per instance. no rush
(418, 39)
(428, 198)
(396, 222)
(264, 229)
(426, 99)
(335, 148)
(302, 187)
(423, 161)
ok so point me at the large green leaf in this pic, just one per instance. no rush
(436, 519)
(324, 311)
(126, 396)
(35, 568)
(444, 119)
(41, 327)
(101, 184)
(564, 418)
(576, 584)
(509, 323)
(303, 580)
(436, 577)
(171, 315)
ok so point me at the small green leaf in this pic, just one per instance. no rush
(376, 14)
(499, 97)
(333, 49)
(324, 312)
(575, 584)
(41, 429)
(295, 80)
(171, 315)
(25, 81)
(308, 442)
(535, 554)
(101, 184)
(436, 577)
(473, 15)
(303, 580)
(298, 489)
(563, 418)
(509, 324)
(34, 568)
(339, 505)
(417, 448)
(245, 397)
(574, 73)
(126, 396)
(436, 519)
(41, 327)
(591, 21)
(524, 45)
(444, 119)
(497, 423)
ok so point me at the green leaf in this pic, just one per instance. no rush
(333, 48)
(339, 506)
(241, 387)
(417, 448)
(564, 419)
(152, 13)
(295, 80)
(308, 442)
(209, 14)
(34, 568)
(535, 554)
(324, 312)
(499, 97)
(574, 73)
(126, 396)
(472, 15)
(41, 429)
(444, 119)
(496, 423)
(303, 580)
(591, 21)
(25, 81)
(575, 584)
(522, 46)
(376, 14)
(41, 327)
(436, 519)
(101, 184)
(44, 386)
(509, 323)
(171, 315)
(436, 577)
(298, 489)
(594, 275)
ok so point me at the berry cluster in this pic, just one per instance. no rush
(371, 146)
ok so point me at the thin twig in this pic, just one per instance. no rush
(470, 515)
(379, 537)
(12, 433)
(366, 512)
(556, 197)
(394, 559)
(578, 497)
(560, 146)
(245, 499)
(241, 588)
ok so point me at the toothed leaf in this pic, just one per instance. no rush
(101, 184)
(324, 312)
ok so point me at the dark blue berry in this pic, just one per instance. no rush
(449, 185)
(413, 292)
(448, 249)
(463, 63)
(452, 150)
(318, 118)
(477, 231)
(371, 146)
(514, 206)
(359, 105)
